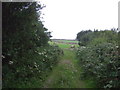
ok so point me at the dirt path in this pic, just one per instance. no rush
(66, 74)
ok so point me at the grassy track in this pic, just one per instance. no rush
(67, 73)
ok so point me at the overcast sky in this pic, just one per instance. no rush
(65, 18)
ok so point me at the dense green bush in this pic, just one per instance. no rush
(97, 37)
(32, 64)
(22, 29)
(102, 63)
(26, 54)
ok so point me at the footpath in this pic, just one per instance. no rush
(66, 74)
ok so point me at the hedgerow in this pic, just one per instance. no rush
(101, 63)
(22, 70)
(26, 54)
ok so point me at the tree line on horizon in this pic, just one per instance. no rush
(86, 37)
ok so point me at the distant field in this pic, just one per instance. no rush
(64, 43)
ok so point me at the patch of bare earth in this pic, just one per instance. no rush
(66, 62)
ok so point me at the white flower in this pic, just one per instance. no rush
(43, 59)
(11, 62)
(3, 56)
(45, 55)
(35, 63)
(83, 47)
(36, 51)
(117, 46)
(40, 53)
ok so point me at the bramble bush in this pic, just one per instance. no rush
(26, 54)
(95, 37)
(101, 63)
(22, 70)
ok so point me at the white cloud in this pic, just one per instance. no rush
(67, 17)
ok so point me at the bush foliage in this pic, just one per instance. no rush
(95, 37)
(32, 64)
(100, 59)
(26, 53)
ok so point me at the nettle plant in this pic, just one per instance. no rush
(102, 63)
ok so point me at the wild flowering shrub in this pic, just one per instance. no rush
(21, 70)
(102, 63)
(23, 32)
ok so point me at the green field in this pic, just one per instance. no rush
(64, 43)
